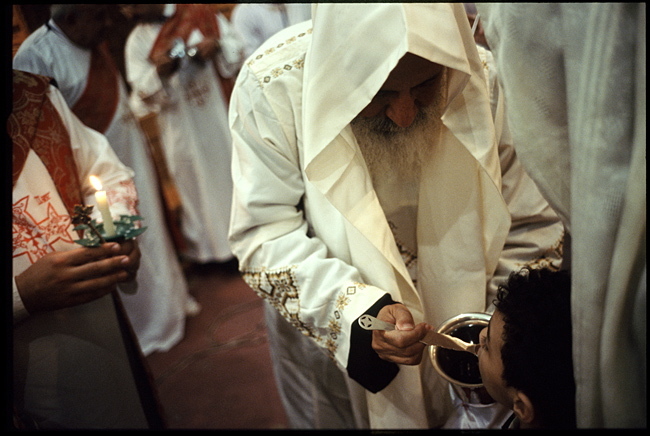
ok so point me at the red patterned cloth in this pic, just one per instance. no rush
(97, 105)
(35, 123)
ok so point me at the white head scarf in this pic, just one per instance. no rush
(356, 46)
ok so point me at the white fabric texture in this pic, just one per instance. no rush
(192, 117)
(157, 309)
(574, 76)
(470, 413)
(307, 226)
(70, 366)
(257, 22)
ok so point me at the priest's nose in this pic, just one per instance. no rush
(402, 109)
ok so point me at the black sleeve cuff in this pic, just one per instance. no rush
(364, 364)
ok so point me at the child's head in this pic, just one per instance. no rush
(526, 355)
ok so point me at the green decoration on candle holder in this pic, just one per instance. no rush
(93, 232)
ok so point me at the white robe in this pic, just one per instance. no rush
(70, 366)
(192, 117)
(307, 226)
(157, 309)
(575, 79)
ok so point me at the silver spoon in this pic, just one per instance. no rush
(369, 322)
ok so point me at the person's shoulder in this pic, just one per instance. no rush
(281, 53)
(35, 41)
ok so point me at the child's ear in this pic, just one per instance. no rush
(524, 408)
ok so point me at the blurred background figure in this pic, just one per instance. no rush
(71, 48)
(224, 9)
(20, 29)
(180, 62)
(574, 77)
(256, 22)
(75, 361)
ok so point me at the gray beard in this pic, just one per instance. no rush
(390, 149)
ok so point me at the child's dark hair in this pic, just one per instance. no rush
(537, 338)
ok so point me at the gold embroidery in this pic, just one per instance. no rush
(282, 44)
(550, 259)
(409, 258)
(335, 327)
(277, 72)
(342, 301)
(280, 288)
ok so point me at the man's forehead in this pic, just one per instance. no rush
(410, 71)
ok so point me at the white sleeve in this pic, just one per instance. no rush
(27, 60)
(148, 91)
(278, 257)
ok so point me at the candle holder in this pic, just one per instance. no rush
(93, 232)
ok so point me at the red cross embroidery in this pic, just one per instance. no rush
(34, 239)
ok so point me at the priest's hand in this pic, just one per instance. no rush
(401, 345)
(69, 278)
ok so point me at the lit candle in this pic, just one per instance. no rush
(102, 205)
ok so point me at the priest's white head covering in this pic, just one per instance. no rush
(356, 46)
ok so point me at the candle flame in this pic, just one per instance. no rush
(97, 184)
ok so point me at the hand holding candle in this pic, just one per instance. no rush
(102, 205)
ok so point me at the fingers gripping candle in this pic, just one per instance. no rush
(102, 205)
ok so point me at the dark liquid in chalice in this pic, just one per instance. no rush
(460, 365)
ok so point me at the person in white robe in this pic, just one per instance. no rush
(574, 76)
(76, 364)
(325, 230)
(191, 101)
(94, 89)
(257, 22)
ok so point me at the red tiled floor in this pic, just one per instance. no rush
(219, 376)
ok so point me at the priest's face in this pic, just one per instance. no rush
(398, 129)
(413, 85)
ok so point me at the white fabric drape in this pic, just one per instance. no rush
(574, 79)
